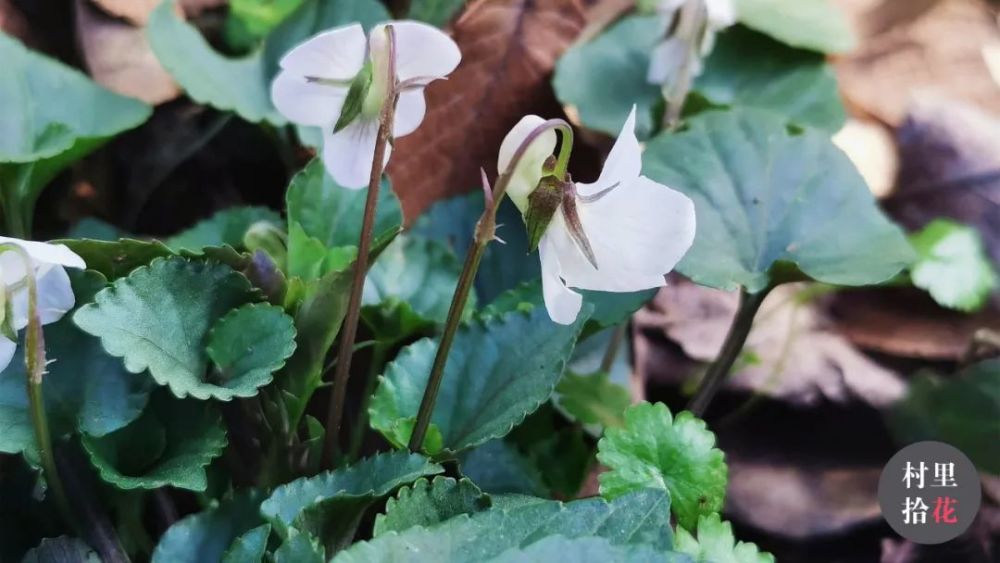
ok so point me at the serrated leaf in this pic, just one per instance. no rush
(427, 503)
(85, 389)
(811, 24)
(364, 481)
(250, 547)
(499, 371)
(226, 227)
(205, 536)
(169, 445)
(243, 85)
(498, 468)
(640, 518)
(130, 319)
(656, 450)
(585, 550)
(952, 265)
(249, 344)
(716, 544)
(300, 548)
(62, 549)
(766, 195)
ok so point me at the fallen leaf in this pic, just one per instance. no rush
(509, 48)
(118, 56)
(12, 22)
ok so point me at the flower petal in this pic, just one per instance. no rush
(666, 60)
(562, 303)
(638, 232)
(7, 348)
(55, 297)
(668, 7)
(348, 153)
(307, 103)
(409, 112)
(337, 54)
(623, 164)
(721, 13)
(46, 253)
(422, 51)
(529, 169)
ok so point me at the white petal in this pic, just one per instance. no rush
(529, 169)
(46, 253)
(562, 303)
(624, 162)
(422, 51)
(666, 60)
(337, 54)
(55, 297)
(307, 103)
(7, 348)
(409, 112)
(12, 268)
(668, 7)
(348, 154)
(721, 13)
(638, 233)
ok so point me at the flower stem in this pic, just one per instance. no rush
(484, 234)
(335, 414)
(611, 353)
(731, 348)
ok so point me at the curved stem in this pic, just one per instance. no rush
(335, 414)
(731, 348)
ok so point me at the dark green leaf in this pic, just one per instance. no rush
(205, 536)
(716, 544)
(586, 550)
(952, 265)
(249, 547)
(435, 12)
(811, 24)
(62, 549)
(497, 468)
(116, 258)
(249, 344)
(300, 548)
(427, 503)
(226, 227)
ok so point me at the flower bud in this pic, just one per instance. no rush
(263, 235)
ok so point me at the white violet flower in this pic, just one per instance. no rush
(55, 294)
(622, 233)
(692, 36)
(338, 80)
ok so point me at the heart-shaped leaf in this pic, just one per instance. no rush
(497, 467)
(427, 503)
(716, 544)
(952, 265)
(205, 536)
(226, 227)
(499, 371)
(249, 344)
(811, 24)
(656, 450)
(133, 324)
(767, 194)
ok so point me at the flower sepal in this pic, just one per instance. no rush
(357, 93)
(543, 203)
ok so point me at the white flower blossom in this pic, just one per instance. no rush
(55, 294)
(683, 45)
(634, 230)
(317, 76)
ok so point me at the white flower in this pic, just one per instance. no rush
(55, 294)
(317, 75)
(636, 229)
(670, 56)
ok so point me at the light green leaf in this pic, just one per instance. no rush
(62, 549)
(243, 85)
(169, 445)
(309, 259)
(226, 227)
(498, 468)
(158, 318)
(766, 196)
(952, 265)
(656, 450)
(249, 547)
(249, 344)
(435, 12)
(716, 544)
(85, 389)
(818, 25)
(427, 503)
(585, 550)
(252, 20)
(640, 518)
(116, 258)
(499, 371)
(205, 536)
(963, 411)
(593, 399)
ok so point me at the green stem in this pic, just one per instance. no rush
(379, 352)
(731, 348)
(613, 345)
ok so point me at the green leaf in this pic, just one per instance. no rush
(85, 389)
(640, 518)
(818, 25)
(593, 399)
(963, 411)
(655, 450)
(953, 266)
(52, 116)
(497, 467)
(249, 547)
(205, 536)
(435, 12)
(560, 452)
(499, 371)
(355, 487)
(116, 258)
(249, 344)
(766, 196)
(300, 548)
(62, 549)
(243, 85)
(716, 544)
(132, 322)
(169, 445)
(427, 503)
(226, 227)
(251, 20)
(585, 550)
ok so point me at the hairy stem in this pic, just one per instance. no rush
(731, 348)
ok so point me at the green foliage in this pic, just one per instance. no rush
(249, 547)
(953, 266)
(811, 24)
(129, 319)
(249, 344)
(593, 399)
(169, 445)
(207, 535)
(767, 195)
(252, 20)
(497, 467)
(656, 450)
(227, 227)
(117, 258)
(716, 544)
(435, 12)
(427, 503)
(62, 549)
(499, 371)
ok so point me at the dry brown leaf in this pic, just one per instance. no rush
(12, 22)
(509, 48)
(119, 58)
(137, 11)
